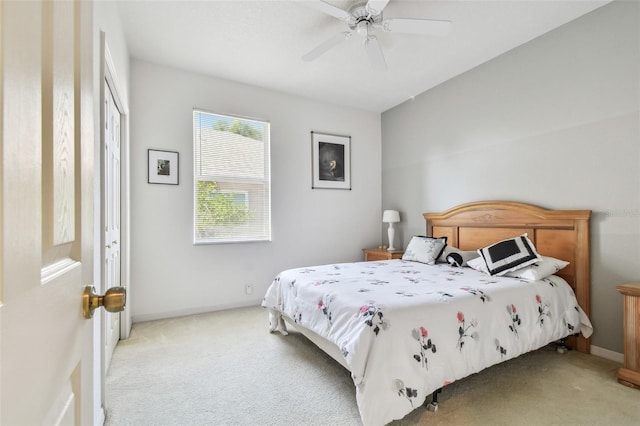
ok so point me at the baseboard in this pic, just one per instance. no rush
(189, 311)
(606, 353)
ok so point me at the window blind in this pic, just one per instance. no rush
(232, 185)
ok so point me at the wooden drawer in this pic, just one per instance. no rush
(378, 254)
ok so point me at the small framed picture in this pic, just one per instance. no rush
(163, 167)
(331, 161)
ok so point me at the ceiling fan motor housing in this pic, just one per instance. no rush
(362, 18)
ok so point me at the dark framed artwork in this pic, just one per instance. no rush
(163, 167)
(331, 161)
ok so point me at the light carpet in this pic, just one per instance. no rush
(225, 368)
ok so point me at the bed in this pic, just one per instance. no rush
(406, 328)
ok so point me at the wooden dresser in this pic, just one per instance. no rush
(373, 254)
(629, 375)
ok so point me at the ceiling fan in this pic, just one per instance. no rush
(364, 19)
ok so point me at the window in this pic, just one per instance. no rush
(231, 179)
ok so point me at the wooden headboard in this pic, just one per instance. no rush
(563, 234)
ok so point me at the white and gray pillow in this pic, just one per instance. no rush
(424, 249)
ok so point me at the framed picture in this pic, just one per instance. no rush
(331, 161)
(163, 167)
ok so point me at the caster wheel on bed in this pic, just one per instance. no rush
(432, 406)
(561, 350)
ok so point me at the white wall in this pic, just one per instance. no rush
(554, 123)
(169, 275)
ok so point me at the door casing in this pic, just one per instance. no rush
(109, 75)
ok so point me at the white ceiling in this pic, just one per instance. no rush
(261, 42)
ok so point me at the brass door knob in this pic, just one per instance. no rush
(114, 300)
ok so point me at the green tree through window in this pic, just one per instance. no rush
(217, 209)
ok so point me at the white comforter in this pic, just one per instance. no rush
(407, 329)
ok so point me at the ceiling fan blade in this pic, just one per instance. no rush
(374, 52)
(329, 9)
(326, 45)
(376, 7)
(430, 27)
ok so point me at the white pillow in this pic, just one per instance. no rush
(478, 264)
(509, 255)
(538, 271)
(424, 249)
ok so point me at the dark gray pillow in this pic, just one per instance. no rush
(456, 257)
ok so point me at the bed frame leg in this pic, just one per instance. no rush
(276, 323)
(561, 346)
(433, 405)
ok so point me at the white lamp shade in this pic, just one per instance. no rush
(390, 216)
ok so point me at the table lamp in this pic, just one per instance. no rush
(391, 217)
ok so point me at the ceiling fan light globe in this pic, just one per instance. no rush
(362, 28)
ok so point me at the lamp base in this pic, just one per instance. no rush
(390, 234)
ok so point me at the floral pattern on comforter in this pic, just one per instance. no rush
(407, 329)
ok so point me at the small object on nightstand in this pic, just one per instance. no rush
(629, 375)
(381, 253)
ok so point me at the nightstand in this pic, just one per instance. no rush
(629, 375)
(373, 254)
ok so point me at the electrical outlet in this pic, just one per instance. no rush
(248, 289)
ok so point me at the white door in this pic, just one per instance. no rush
(46, 227)
(111, 219)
